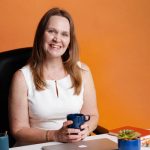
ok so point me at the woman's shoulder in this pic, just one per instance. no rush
(25, 68)
(20, 74)
(83, 66)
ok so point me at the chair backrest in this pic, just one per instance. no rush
(10, 61)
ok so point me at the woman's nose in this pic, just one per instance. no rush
(56, 38)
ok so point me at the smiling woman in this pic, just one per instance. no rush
(52, 85)
(56, 36)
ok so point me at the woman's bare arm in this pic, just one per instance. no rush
(19, 115)
(90, 104)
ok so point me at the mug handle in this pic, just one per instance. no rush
(87, 117)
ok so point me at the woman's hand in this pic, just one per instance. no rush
(84, 130)
(66, 134)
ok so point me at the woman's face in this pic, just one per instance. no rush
(56, 36)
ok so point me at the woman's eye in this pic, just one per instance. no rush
(65, 34)
(51, 31)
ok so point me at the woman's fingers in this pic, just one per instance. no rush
(71, 135)
(66, 123)
(72, 131)
(66, 134)
(84, 130)
(74, 138)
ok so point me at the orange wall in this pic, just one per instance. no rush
(114, 38)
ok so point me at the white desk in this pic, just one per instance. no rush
(39, 146)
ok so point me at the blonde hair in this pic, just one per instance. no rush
(70, 57)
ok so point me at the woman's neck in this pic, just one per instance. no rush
(54, 70)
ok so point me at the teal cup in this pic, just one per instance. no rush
(4, 144)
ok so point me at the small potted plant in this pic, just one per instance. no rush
(129, 140)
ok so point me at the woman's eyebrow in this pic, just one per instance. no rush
(66, 32)
(51, 28)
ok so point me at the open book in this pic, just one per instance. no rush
(143, 132)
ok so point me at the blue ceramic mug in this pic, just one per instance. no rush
(129, 144)
(78, 119)
(4, 144)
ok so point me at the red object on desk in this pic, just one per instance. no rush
(143, 132)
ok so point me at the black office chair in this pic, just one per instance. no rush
(10, 61)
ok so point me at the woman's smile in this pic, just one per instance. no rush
(55, 46)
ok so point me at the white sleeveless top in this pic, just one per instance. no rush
(47, 108)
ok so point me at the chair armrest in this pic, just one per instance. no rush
(100, 130)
